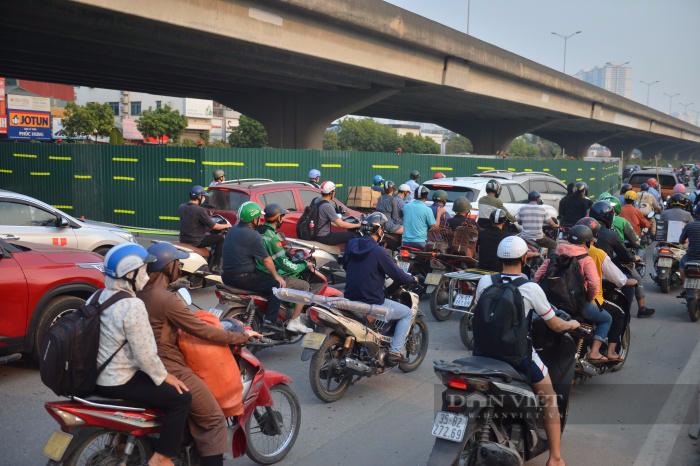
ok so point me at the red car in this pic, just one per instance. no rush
(39, 284)
(294, 196)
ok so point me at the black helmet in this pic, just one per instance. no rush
(272, 211)
(497, 217)
(603, 212)
(372, 223)
(461, 205)
(164, 253)
(677, 199)
(388, 186)
(624, 188)
(580, 188)
(644, 187)
(414, 175)
(197, 191)
(534, 196)
(421, 192)
(440, 195)
(570, 188)
(580, 234)
(218, 174)
(591, 223)
(493, 186)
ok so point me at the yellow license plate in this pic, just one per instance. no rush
(56, 445)
(313, 340)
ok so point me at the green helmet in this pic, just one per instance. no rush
(603, 195)
(440, 195)
(249, 211)
(461, 205)
(615, 203)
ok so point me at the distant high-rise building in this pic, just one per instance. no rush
(612, 77)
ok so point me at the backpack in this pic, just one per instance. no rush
(309, 218)
(499, 323)
(564, 284)
(68, 357)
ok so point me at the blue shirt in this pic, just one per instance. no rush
(655, 193)
(417, 220)
(691, 232)
(413, 185)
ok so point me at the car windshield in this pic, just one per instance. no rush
(453, 192)
(227, 200)
(664, 180)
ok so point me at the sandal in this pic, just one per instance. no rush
(615, 359)
(598, 360)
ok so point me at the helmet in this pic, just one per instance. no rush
(371, 224)
(414, 175)
(697, 209)
(440, 195)
(645, 187)
(313, 174)
(580, 234)
(438, 175)
(497, 217)
(422, 192)
(493, 186)
(388, 186)
(404, 188)
(197, 191)
(679, 188)
(677, 200)
(603, 212)
(327, 187)
(272, 211)
(580, 188)
(534, 196)
(590, 223)
(249, 211)
(652, 182)
(570, 188)
(378, 179)
(164, 254)
(615, 203)
(512, 247)
(124, 258)
(631, 195)
(604, 194)
(218, 174)
(461, 205)
(624, 188)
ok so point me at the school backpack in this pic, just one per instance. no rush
(500, 324)
(564, 284)
(68, 357)
(308, 224)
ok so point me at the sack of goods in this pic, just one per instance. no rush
(305, 297)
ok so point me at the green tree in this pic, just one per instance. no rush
(417, 144)
(163, 121)
(88, 120)
(458, 144)
(330, 139)
(521, 147)
(248, 133)
(365, 134)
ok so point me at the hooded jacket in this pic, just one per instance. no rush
(366, 265)
(587, 264)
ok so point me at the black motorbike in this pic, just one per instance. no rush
(692, 289)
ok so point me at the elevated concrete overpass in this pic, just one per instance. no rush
(296, 65)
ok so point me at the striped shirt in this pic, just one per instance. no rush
(532, 217)
(691, 232)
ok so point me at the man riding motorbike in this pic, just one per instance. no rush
(576, 206)
(491, 202)
(219, 177)
(391, 205)
(533, 217)
(623, 190)
(194, 220)
(412, 183)
(620, 224)
(489, 239)
(461, 207)
(676, 210)
(691, 235)
(418, 218)
(652, 189)
(314, 178)
(378, 183)
(327, 216)
(438, 207)
(633, 214)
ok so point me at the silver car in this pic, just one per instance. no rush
(34, 221)
(549, 186)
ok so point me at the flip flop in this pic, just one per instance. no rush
(598, 360)
(616, 359)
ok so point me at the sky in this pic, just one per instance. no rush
(660, 38)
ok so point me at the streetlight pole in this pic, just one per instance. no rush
(617, 72)
(469, 9)
(648, 87)
(685, 109)
(670, 100)
(566, 38)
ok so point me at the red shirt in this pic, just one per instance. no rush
(635, 217)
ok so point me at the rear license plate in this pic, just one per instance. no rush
(665, 262)
(433, 278)
(56, 445)
(216, 312)
(693, 283)
(463, 300)
(405, 266)
(450, 426)
(313, 340)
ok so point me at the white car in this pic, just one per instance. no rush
(31, 220)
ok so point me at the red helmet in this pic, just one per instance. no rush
(438, 175)
(651, 182)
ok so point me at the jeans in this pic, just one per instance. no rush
(602, 319)
(404, 315)
(414, 245)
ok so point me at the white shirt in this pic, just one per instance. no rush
(612, 273)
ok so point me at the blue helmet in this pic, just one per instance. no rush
(197, 191)
(378, 179)
(164, 253)
(124, 258)
(313, 174)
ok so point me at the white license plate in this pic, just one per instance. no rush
(56, 445)
(450, 426)
(216, 312)
(405, 266)
(463, 300)
(693, 283)
(665, 262)
(433, 278)
(313, 340)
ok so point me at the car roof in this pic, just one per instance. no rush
(464, 181)
(259, 183)
(509, 175)
(653, 172)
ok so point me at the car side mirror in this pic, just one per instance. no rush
(185, 295)
(62, 222)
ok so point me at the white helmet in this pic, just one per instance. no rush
(404, 188)
(512, 247)
(327, 187)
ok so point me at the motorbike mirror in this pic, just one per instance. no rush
(185, 295)
(62, 222)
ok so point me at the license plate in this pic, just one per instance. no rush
(665, 262)
(313, 340)
(56, 445)
(405, 266)
(463, 300)
(450, 426)
(433, 278)
(216, 312)
(693, 283)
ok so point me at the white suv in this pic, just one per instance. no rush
(549, 186)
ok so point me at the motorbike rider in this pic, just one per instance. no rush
(691, 235)
(328, 216)
(438, 207)
(219, 177)
(576, 206)
(168, 313)
(274, 216)
(491, 202)
(194, 220)
(695, 195)
(378, 183)
(647, 204)
(314, 178)
(367, 265)
(610, 243)
(680, 189)
(391, 205)
(652, 189)
(623, 190)
(438, 176)
(676, 210)
(135, 372)
(512, 252)
(633, 214)
(533, 217)
(412, 183)
(621, 225)
(418, 218)
(489, 239)
(461, 207)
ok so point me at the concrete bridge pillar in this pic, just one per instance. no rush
(576, 145)
(490, 137)
(621, 149)
(653, 148)
(691, 153)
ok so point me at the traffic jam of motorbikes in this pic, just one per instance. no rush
(543, 294)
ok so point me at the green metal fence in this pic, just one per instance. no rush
(143, 185)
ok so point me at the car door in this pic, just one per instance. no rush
(285, 199)
(33, 223)
(514, 197)
(15, 299)
(540, 185)
(557, 191)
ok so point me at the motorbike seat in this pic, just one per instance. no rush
(329, 248)
(204, 252)
(98, 399)
(481, 366)
(234, 290)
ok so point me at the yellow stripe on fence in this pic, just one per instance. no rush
(563, 181)
(275, 164)
(485, 168)
(64, 207)
(511, 169)
(441, 168)
(2, 170)
(331, 165)
(124, 159)
(26, 156)
(176, 180)
(592, 179)
(40, 173)
(579, 179)
(528, 169)
(386, 166)
(179, 160)
(122, 211)
(546, 169)
(123, 178)
(593, 168)
(237, 164)
(580, 169)
(563, 169)
(54, 157)
(168, 217)
(83, 177)
(339, 185)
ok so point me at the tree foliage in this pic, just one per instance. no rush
(530, 145)
(417, 144)
(116, 137)
(163, 121)
(88, 120)
(458, 144)
(367, 135)
(248, 133)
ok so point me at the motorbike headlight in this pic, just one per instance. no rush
(125, 235)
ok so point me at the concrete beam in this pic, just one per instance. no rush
(690, 153)
(490, 137)
(621, 147)
(673, 152)
(573, 144)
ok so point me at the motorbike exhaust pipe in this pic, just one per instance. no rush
(355, 367)
(588, 368)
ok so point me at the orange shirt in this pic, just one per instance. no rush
(630, 213)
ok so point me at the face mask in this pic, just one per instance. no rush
(141, 278)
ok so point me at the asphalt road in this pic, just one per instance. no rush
(635, 416)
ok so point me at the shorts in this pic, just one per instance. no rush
(538, 370)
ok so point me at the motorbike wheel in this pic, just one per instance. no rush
(466, 332)
(624, 349)
(258, 429)
(665, 285)
(321, 371)
(438, 298)
(416, 345)
(694, 309)
(97, 449)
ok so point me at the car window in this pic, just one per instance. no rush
(665, 180)
(519, 194)
(506, 195)
(284, 199)
(538, 185)
(13, 213)
(453, 192)
(307, 196)
(556, 188)
(227, 200)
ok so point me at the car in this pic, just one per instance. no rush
(549, 186)
(39, 284)
(294, 196)
(37, 222)
(627, 172)
(666, 178)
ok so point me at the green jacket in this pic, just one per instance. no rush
(625, 230)
(273, 245)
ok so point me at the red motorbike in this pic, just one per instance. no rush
(97, 431)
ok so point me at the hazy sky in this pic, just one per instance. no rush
(660, 38)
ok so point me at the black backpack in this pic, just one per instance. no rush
(500, 325)
(68, 358)
(304, 230)
(564, 284)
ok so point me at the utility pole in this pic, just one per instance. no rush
(670, 100)
(648, 87)
(617, 72)
(566, 38)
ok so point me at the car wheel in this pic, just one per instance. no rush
(55, 308)
(102, 250)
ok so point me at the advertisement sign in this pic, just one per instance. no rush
(217, 129)
(231, 124)
(27, 125)
(27, 102)
(199, 108)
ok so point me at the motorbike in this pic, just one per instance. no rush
(328, 258)
(692, 289)
(101, 431)
(667, 257)
(347, 346)
(490, 414)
